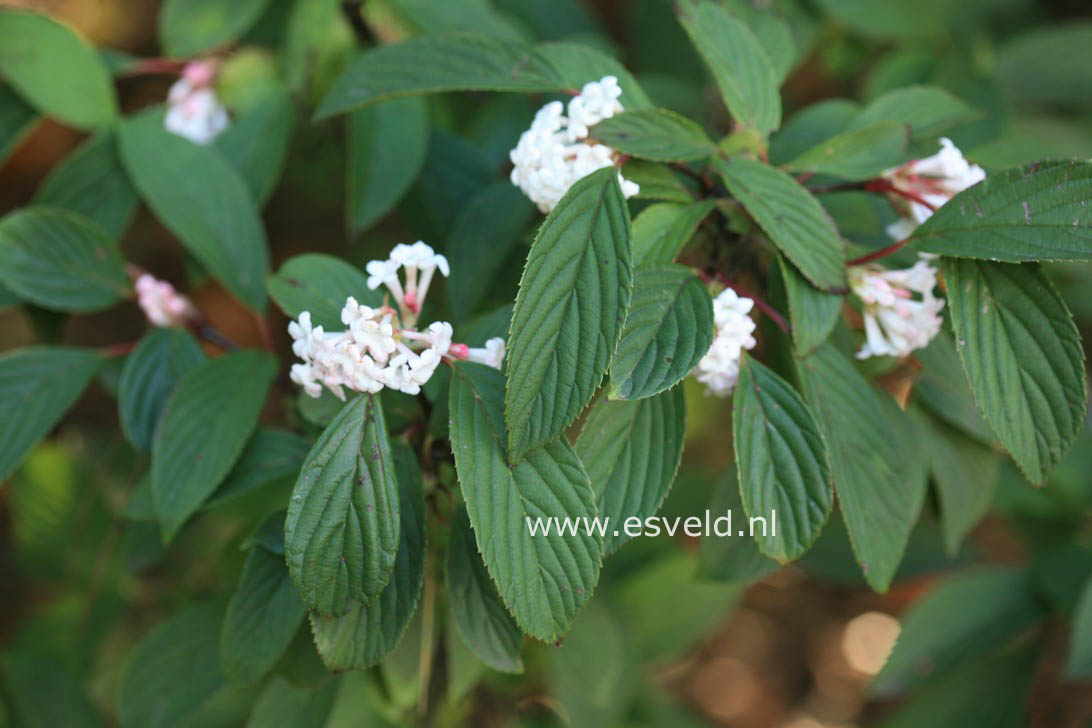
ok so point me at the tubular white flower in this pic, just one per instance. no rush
(492, 354)
(897, 321)
(193, 109)
(554, 153)
(718, 370)
(934, 179)
(161, 303)
(420, 262)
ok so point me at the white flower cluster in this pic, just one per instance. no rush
(380, 347)
(718, 370)
(554, 153)
(935, 180)
(193, 109)
(161, 303)
(896, 321)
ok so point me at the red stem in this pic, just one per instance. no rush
(877, 254)
(764, 307)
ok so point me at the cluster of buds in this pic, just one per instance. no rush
(718, 370)
(381, 347)
(161, 303)
(897, 321)
(554, 153)
(193, 109)
(922, 185)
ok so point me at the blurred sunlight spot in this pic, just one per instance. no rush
(868, 639)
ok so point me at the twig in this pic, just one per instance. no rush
(762, 306)
(877, 254)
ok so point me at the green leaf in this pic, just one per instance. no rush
(477, 609)
(781, 460)
(1036, 212)
(481, 241)
(657, 182)
(740, 67)
(593, 674)
(576, 64)
(341, 534)
(657, 134)
(261, 619)
(967, 614)
(942, 388)
(772, 31)
(387, 146)
(270, 455)
(730, 558)
(812, 313)
(40, 692)
(17, 118)
(1047, 67)
(543, 579)
(662, 230)
(153, 369)
(60, 260)
(1078, 665)
(878, 495)
(40, 384)
(631, 450)
(202, 200)
(1023, 358)
(284, 704)
(173, 670)
(810, 127)
(208, 419)
(319, 283)
(886, 19)
(668, 329)
(368, 632)
(55, 69)
(189, 27)
(439, 62)
(572, 300)
(427, 16)
(792, 218)
(256, 143)
(91, 181)
(857, 154)
(930, 111)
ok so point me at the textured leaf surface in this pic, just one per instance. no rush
(631, 451)
(188, 27)
(662, 230)
(387, 146)
(208, 419)
(657, 134)
(55, 69)
(161, 359)
(39, 384)
(320, 283)
(730, 559)
(368, 632)
(668, 329)
(261, 619)
(877, 491)
(60, 260)
(212, 213)
(544, 579)
(740, 67)
(479, 613)
(792, 218)
(781, 460)
(1023, 358)
(341, 534)
(569, 311)
(858, 153)
(812, 313)
(270, 455)
(1038, 212)
(256, 143)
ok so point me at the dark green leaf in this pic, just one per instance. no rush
(857, 154)
(792, 218)
(773, 33)
(1079, 661)
(657, 134)
(740, 67)
(657, 181)
(55, 69)
(569, 311)
(17, 118)
(161, 359)
(662, 230)
(781, 460)
(479, 613)
(270, 455)
(38, 384)
(368, 632)
(341, 534)
(811, 126)
(256, 143)
(92, 181)
(726, 556)
(427, 16)
(1047, 67)
(1023, 358)
(283, 704)
(203, 201)
(261, 619)
(208, 418)
(576, 64)
(544, 579)
(42, 693)
(631, 450)
(888, 18)
(189, 27)
(668, 329)
(60, 260)
(319, 283)
(812, 313)
(929, 110)
(942, 388)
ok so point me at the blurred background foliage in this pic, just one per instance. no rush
(86, 576)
